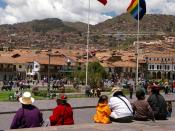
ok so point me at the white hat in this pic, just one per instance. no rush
(115, 89)
(26, 98)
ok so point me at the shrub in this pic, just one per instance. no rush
(42, 93)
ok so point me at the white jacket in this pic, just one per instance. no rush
(119, 108)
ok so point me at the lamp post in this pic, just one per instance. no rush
(68, 65)
(48, 72)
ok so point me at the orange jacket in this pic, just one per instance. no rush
(102, 113)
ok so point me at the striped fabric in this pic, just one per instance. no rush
(133, 8)
(104, 2)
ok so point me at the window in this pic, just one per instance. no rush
(168, 67)
(149, 67)
(20, 66)
(157, 67)
(152, 67)
(165, 67)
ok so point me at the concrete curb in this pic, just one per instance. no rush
(49, 109)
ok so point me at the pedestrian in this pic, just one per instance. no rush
(169, 108)
(130, 84)
(17, 95)
(166, 87)
(120, 106)
(62, 114)
(103, 111)
(98, 92)
(131, 88)
(173, 86)
(141, 108)
(157, 103)
(27, 116)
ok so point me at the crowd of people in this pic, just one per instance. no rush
(115, 109)
(119, 109)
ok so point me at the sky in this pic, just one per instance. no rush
(15, 11)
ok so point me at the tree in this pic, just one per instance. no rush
(96, 73)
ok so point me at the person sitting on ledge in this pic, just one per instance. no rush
(27, 116)
(158, 103)
(121, 108)
(103, 111)
(62, 114)
(141, 108)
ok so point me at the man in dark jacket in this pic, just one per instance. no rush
(27, 116)
(158, 104)
(62, 114)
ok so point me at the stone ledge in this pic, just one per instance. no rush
(164, 125)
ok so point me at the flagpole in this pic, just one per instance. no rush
(137, 45)
(87, 46)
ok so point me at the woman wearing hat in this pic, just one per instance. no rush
(120, 106)
(157, 103)
(62, 114)
(28, 115)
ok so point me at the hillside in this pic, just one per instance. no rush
(149, 23)
(55, 33)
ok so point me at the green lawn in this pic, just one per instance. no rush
(5, 96)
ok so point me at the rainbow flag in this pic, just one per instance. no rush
(133, 8)
(104, 2)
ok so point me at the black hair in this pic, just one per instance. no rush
(102, 99)
(155, 91)
(140, 94)
(118, 93)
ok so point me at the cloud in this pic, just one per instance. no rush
(73, 10)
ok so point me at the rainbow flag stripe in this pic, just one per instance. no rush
(133, 8)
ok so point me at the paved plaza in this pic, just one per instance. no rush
(134, 126)
(81, 116)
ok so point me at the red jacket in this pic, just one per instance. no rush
(62, 112)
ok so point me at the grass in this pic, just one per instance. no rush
(4, 95)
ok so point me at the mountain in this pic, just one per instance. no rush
(55, 33)
(149, 23)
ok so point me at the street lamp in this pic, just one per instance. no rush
(48, 72)
(68, 65)
(68, 62)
